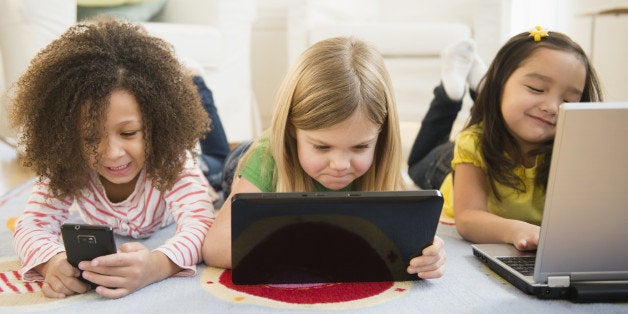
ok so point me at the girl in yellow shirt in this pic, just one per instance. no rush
(495, 174)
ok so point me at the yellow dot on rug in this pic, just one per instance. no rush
(11, 223)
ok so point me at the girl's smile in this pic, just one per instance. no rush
(551, 122)
(118, 171)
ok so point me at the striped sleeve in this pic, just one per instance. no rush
(37, 231)
(190, 203)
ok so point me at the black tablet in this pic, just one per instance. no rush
(318, 237)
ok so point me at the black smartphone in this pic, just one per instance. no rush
(86, 242)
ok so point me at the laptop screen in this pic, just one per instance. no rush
(584, 228)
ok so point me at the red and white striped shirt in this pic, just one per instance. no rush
(189, 204)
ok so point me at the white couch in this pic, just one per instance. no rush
(214, 34)
(410, 34)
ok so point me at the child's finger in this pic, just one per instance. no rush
(106, 279)
(424, 260)
(435, 248)
(433, 274)
(112, 293)
(426, 269)
(111, 260)
(521, 245)
(55, 289)
(76, 286)
(47, 290)
(131, 247)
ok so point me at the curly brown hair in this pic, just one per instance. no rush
(61, 102)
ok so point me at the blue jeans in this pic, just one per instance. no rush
(431, 154)
(231, 163)
(216, 153)
(214, 147)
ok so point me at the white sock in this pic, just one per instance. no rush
(456, 62)
(476, 73)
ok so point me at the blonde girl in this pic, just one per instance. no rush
(335, 127)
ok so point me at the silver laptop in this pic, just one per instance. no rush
(583, 245)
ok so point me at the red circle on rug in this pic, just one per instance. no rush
(310, 293)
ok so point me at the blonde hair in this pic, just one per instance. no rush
(331, 80)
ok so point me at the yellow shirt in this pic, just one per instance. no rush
(526, 206)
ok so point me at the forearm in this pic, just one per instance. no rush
(191, 206)
(161, 267)
(36, 239)
(42, 268)
(34, 247)
(217, 243)
(480, 226)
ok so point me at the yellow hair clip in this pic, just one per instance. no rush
(538, 32)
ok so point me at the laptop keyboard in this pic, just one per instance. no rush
(522, 264)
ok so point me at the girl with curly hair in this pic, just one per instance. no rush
(335, 127)
(108, 119)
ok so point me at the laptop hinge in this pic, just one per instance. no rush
(558, 281)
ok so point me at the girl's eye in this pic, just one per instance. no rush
(578, 99)
(129, 134)
(321, 147)
(536, 90)
(361, 147)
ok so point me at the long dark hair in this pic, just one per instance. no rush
(499, 148)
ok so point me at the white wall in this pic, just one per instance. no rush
(269, 53)
(269, 44)
(605, 38)
(601, 26)
(551, 14)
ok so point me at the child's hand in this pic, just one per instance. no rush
(129, 270)
(526, 238)
(432, 263)
(60, 278)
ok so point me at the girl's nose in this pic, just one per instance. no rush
(113, 149)
(551, 105)
(340, 162)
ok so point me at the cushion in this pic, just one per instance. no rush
(106, 3)
(397, 38)
(201, 43)
(130, 10)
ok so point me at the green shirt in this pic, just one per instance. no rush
(260, 166)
